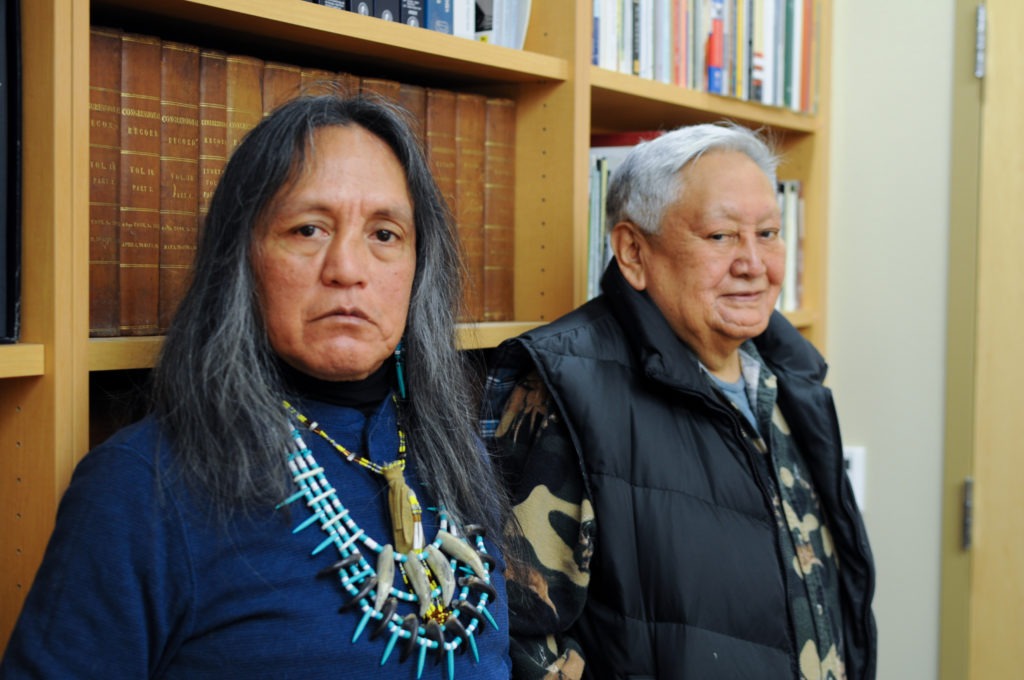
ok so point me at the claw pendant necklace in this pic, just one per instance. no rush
(403, 507)
(437, 615)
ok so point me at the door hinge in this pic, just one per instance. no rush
(980, 21)
(967, 528)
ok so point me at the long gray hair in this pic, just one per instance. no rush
(216, 387)
(648, 179)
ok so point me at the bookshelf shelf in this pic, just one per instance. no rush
(620, 101)
(22, 360)
(116, 354)
(120, 354)
(48, 383)
(305, 28)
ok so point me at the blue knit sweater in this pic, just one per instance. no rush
(139, 581)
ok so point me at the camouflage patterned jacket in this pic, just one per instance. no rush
(666, 564)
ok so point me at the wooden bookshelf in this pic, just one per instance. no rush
(561, 98)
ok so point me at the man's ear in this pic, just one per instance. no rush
(629, 245)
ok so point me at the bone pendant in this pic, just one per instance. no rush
(418, 580)
(385, 576)
(463, 552)
(442, 569)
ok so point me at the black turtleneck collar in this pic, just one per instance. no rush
(364, 395)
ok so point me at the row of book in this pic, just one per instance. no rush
(502, 22)
(164, 117)
(757, 50)
(608, 151)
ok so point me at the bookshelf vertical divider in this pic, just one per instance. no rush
(560, 99)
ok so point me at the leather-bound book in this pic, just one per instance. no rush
(281, 82)
(388, 89)
(499, 210)
(440, 136)
(104, 180)
(140, 184)
(244, 97)
(179, 173)
(213, 124)
(470, 121)
(413, 98)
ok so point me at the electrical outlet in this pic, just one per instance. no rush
(855, 459)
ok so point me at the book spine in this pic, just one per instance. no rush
(179, 173)
(440, 133)
(244, 97)
(439, 15)
(213, 124)
(388, 10)
(281, 83)
(715, 48)
(413, 98)
(499, 209)
(388, 89)
(364, 7)
(140, 184)
(412, 12)
(464, 18)
(316, 81)
(104, 180)
(470, 121)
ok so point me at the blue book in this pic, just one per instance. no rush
(439, 15)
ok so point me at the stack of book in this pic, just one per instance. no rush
(502, 22)
(164, 118)
(757, 50)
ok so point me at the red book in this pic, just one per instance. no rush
(624, 138)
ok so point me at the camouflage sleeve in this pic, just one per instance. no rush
(550, 539)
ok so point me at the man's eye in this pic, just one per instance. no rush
(306, 230)
(385, 235)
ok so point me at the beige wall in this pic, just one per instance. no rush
(891, 89)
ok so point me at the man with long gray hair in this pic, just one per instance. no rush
(308, 497)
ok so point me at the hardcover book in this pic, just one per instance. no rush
(388, 10)
(388, 89)
(439, 15)
(244, 97)
(411, 12)
(440, 133)
(10, 187)
(104, 181)
(413, 98)
(213, 124)
(281, 82)
(499, 209)
(470, 121)
(179, 173)
(140, 184)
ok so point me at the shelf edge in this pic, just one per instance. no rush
(22, 360)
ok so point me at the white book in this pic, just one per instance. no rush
(464, 18)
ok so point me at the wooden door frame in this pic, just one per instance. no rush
(961, 339)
